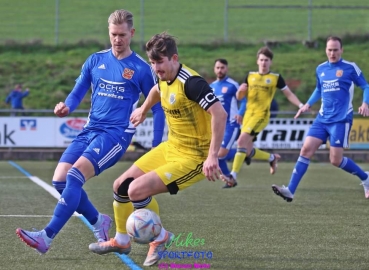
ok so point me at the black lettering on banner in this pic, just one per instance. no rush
(7, 136)
(299, 137)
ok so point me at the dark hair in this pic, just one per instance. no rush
(221, 60)
(161, 45)
(334, 38)
(266, 51)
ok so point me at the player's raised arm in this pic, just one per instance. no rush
(139, 115)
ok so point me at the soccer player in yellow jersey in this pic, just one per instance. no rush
(259, 89)
(196, 121)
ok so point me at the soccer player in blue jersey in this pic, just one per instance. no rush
(117, 77)
(335, 81)
(225, 88)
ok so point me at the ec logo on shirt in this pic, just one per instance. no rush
(339, 73)
(28, 124)
(128, 73)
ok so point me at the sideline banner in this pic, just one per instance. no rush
(359, 135)
(59, 132)
(39, 131)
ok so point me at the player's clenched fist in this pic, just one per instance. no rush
(242, 91)
(61, 109)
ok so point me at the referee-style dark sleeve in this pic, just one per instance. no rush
(198, 90)
(281, 83)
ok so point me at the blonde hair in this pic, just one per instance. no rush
(121, 16)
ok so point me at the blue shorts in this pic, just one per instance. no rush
(338, 133)
(231, 133)
(99, 147)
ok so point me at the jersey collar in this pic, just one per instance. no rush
(335, 64)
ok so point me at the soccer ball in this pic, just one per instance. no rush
(143, 226)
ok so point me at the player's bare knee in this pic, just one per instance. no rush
(134, 193)
(335, 161)
(306, 152)
(61, 170)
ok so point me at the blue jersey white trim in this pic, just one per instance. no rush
(116, 88)
(225, 90)
(336, 82)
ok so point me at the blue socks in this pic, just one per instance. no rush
(85, 207)
(67, 203)
(298, 172)
(223, 166)
(348, 165)
(223, 161)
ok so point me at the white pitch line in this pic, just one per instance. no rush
(48, 188)
(27, 216)
(13, 177)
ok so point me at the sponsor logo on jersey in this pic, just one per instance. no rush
(332, 85)
(175, 113)
(111, 86)
(224, 89)
(339, 73)
(72, 127)
(128, 73)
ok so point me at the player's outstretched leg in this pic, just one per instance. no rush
(284, 192)
(161, 243)
(102, 227)
(36, 240)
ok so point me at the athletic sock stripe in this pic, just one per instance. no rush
(143, 203)
(121, 199)
(77, 174)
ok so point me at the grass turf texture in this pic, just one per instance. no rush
(247, 227)
(192, 21)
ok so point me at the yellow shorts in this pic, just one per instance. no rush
(175, 170)
(253, 125)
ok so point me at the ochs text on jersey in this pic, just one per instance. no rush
(111, 86)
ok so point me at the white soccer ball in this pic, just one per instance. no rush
(143, 226)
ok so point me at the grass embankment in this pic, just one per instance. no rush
(50, 71)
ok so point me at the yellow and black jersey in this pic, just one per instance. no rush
(185, 101)
(261, 90)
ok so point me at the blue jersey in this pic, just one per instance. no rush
(335, 83)
(16, 97)
(116, 88)
(225, 90)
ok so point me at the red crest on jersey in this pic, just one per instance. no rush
(339, 73)
(128, 73)
(224, 90)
